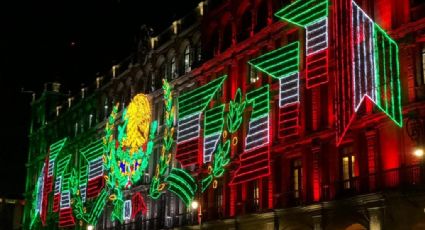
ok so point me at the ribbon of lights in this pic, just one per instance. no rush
(375, 71)
(66, 218)
(254, 161)
(191, 105)
(45, 183)
(283, 64)
(213, 128)
(313, 16)
(60, 170)
(93, 154)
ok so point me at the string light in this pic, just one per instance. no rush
(60, 170)
(303, 13)
(191, 106)
(375, 73)
(182, 184)
(254, 160)
(272, 64)
(213, 128)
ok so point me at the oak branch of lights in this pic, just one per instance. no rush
(158, 183)
(127, 155)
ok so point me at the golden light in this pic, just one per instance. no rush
(194, 204)
(419, 152)
(139, 119)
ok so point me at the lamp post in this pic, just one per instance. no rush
(415, 130)
(197, 206)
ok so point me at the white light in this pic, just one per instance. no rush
(194, 204)
(90, 227)
(419, 152)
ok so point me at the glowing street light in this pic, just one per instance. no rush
(419, 152)
(195, 204)
(90, 227)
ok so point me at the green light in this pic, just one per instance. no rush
(197, 100)
(182, 184)
(302, 13)
(279, 63)
(259, 98)
(387, 75)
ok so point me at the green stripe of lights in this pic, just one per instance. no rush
(387, 75)
(214, 120)
(279, 63)
(303, 13)
(197, 100)
(56, 147)
(93, 150)
(182, 184)
(259, 99)
(62, 165)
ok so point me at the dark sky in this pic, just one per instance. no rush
(68, 41)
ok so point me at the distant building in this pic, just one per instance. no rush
(11, 212)
(332, 135)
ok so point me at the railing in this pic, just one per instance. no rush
(399, 178)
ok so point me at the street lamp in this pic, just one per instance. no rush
(195, 205)
(90, 227)
(419, 152)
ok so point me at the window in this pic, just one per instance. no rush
(173, 67)
(296, 178)
(256, 195)
(423, 64)
(219, 200)
(199, 52)
(348, 161)
(187, 59)
(152, 82)
(252, 74)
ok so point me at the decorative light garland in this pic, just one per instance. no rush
(375, 72)
(313, 16)
(191, 105)
(254, 161)
(283, 64)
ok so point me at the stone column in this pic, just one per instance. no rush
(375, 218)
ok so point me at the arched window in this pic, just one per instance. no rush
(172, 68)
(187, 59)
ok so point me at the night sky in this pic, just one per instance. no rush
(66, 41)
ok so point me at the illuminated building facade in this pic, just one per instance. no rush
(282, 114)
